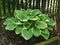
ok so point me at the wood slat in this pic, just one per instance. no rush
(46, 7)
(18, 6)
(33, 4)
(26, 4)
(40, 4)
(21, 3)
(0, 9)
(37, 4)
(30, 3)
(43, 5)
(13, 5)
(50, 1)
(59, 6)
(3, 3)
(9, 9)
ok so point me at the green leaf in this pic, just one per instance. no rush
(10, 26)
(50, 28)
(19, 29)
(51, 22)
(45, 34)
(36, 32)
(41, 25)
(21, 15)
(35, 12)
(45, 31)
(43, 17)
(16, 13)
(9, 20)
(27, 34)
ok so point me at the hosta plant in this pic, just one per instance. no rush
(27, 23)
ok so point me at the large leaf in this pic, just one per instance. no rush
(50, 28)
(19, 29)
(43, 17)
(41, 25)
(27, 34)
(21, 15)
(45, 34)
(45, 31)
(9, 20)
(36, 32)
(10, 26)
(51, 22)
(35, 12)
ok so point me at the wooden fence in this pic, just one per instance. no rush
(7, 7)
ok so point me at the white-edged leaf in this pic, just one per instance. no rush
(9, 20)
(19, 29)
(43, 17)
(27, 34)
(10, 26)
(45, 31)
(45, 34)
(50, 28)
(51, 22)
(35, 12)
(41, 25)
(21, 15)
(36, 32)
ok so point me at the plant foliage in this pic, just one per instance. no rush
(30, 22)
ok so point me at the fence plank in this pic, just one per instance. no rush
(9, 9)
(26, 4)
(46, 8)
(33, 3)
(50, 5)
(40, 4)
(0, 13)
(30, 3)
(0, 8)
(3, 1)
(21, 3)
(59, 5)
(37, 4)
(13, 6)
(43, 5)
(18, 7)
